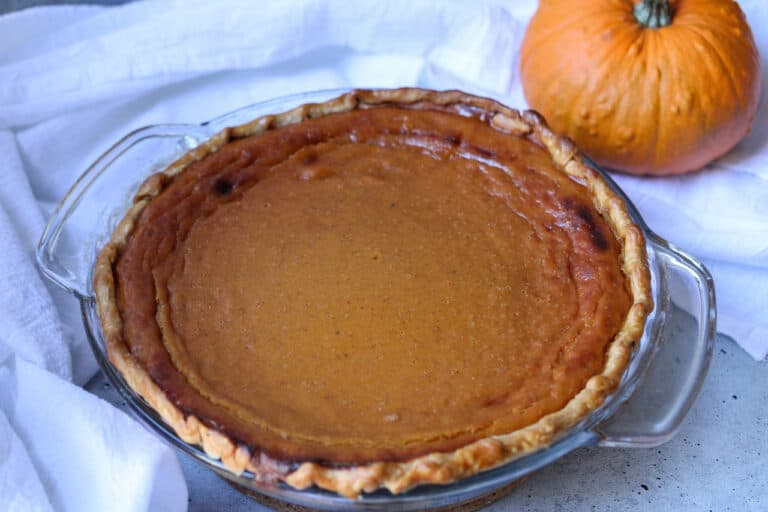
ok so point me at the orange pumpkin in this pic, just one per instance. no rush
(644, 87)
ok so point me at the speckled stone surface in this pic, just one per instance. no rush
(717, 461)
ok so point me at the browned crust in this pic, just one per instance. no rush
(440, 468)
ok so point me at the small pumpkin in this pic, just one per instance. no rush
(645, 87)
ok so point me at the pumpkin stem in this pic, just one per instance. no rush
(653, 13)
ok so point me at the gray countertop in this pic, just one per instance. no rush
(716, 462)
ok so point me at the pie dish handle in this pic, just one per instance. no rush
(656, 410)
(87, 214)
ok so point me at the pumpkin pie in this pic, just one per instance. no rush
(391, 288)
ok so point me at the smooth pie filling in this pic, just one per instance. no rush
(371, 285)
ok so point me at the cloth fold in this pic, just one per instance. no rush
(73, 80)
(87, 454)
(26, 309)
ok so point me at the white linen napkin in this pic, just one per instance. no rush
(75, 79)
(87, 454)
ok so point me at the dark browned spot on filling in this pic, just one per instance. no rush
(453, 140)
(595, 233)
(598, 238)
(310, 159)
(223, 187)
(587, 221)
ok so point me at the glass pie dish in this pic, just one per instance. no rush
(654, 395)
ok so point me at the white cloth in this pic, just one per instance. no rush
(75, 79)
(88, 455)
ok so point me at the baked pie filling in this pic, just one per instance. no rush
(370, 286)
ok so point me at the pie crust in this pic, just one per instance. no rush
(439, 467)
